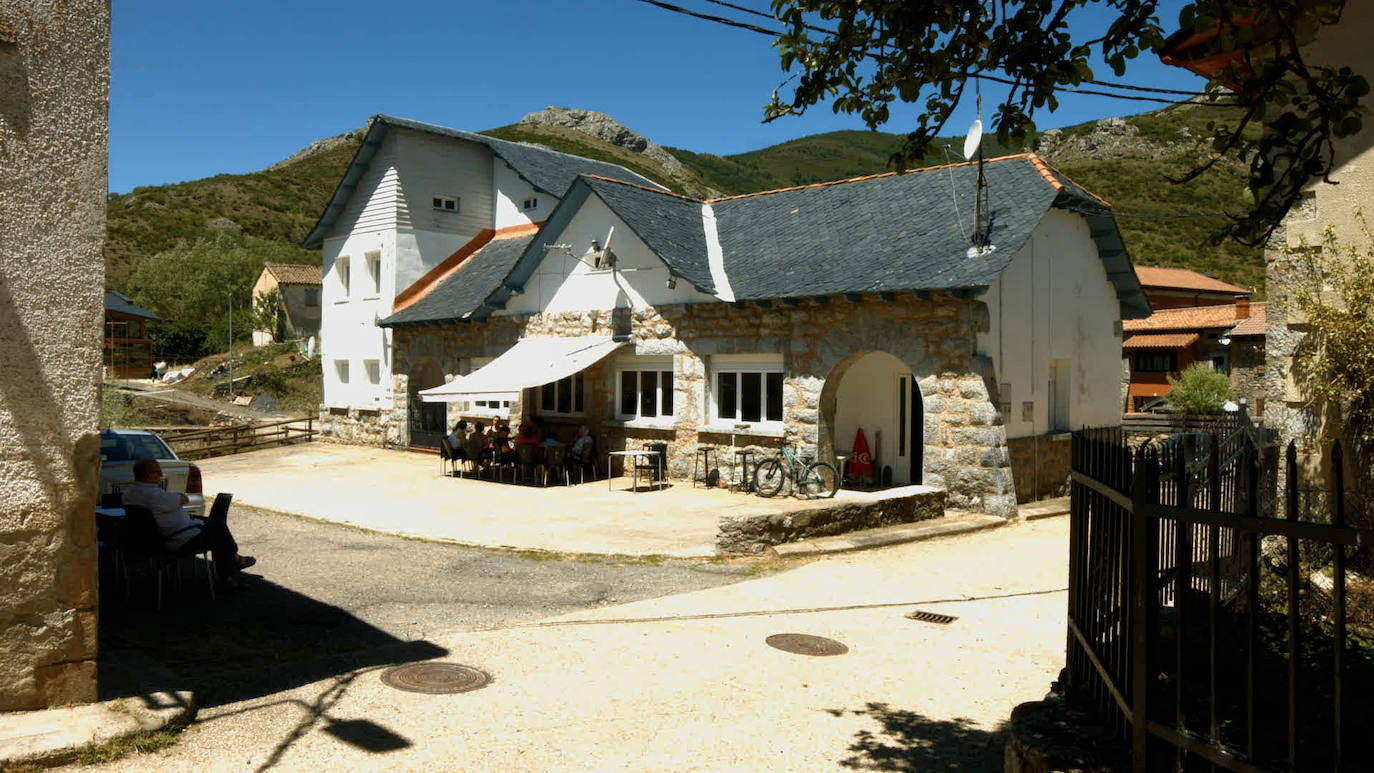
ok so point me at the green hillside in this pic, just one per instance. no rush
(1127, 165)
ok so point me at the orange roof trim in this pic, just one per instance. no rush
(1187, 318)
(1183, 279)
(1160, 341)
(452, 263)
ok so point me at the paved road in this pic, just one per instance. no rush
(327, 596)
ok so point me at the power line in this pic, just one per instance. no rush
(1007, 81)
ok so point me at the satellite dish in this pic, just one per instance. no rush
(973, 140)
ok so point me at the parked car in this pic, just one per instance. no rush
(120, 448)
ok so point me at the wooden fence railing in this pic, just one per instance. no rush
(1193, 624)
(1169, 424)
(204, 442)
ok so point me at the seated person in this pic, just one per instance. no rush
(179, 530)
(550, 439)
(582, 448)
(500, 443)
(528, 436)
(457, 440)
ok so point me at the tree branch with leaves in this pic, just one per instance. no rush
(862, 56)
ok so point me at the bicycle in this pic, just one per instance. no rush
(810, 479)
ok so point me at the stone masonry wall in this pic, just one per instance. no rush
(54, 90)
(1040, 466)
(965, 443)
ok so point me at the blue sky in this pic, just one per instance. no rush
(199, 89)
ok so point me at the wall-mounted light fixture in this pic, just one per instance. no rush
(672, 282)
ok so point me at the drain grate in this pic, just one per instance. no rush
(806, 644)
(435, 678)
(931, 617)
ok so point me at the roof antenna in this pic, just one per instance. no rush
(973, 144)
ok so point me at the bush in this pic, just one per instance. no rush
(1199, 389)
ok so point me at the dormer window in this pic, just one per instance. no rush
(446, 203)
(531, 203)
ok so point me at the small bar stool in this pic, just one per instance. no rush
(709, 459)
(842, 462)
(746, 481)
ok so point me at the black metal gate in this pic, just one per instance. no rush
(1193, 625)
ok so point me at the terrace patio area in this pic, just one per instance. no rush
(405, 493)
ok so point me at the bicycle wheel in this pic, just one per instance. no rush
(768, 477)
(819, 480)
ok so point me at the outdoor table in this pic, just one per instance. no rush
(629, 455)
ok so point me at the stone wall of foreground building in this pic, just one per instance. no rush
(965, 446)
(54, 88)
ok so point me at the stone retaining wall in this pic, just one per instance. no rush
(1040, 465)
(755, 533)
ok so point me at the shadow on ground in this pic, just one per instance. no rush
(243, 645)
(910, 741)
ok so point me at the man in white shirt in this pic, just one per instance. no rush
(179, 530)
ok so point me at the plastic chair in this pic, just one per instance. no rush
(140, 541)
(588, 459)
(556, 457)
(525, 459)
(446, 457)
(657, 464)
(478, 455)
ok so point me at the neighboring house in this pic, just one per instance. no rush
(805, 313)
(1173, 288)
(1338, 202)
(1229, 338)
(298, 301)
(128, 347)
(54, 131)
(415, 199)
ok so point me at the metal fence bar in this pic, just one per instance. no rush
(1338, 568)
(1291, 513)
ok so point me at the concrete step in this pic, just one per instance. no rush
(1046, 508)
(889, 535)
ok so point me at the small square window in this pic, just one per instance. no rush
(374, 272)
(531, 203)
(312, 298)
(341, 369)
(446, 203)
(374, 371)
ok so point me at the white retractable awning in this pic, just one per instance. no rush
(531, 362)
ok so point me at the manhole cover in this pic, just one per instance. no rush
(435, 678)
(931, 617)
(805, 644)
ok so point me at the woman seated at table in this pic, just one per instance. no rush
(500, 443)
(457, 440)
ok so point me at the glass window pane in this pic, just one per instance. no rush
(629, 392)
(579, 404)
(665, 382)
(751, 396)
(546, 395)
(565, 395)
(774, 396)
(725, 396)
(648, 394)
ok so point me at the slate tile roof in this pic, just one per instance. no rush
(461, 292)
(547, 170)
(119, 303)
(294, 273)
(1155, 277)
(884, 233)
(1160, 341)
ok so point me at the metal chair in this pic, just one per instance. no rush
(140, 541)
(708, 457)
(525, 459)
(657, 464)
(478, 455)
(446, 459)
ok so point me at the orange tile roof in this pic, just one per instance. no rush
(447, 266)
(1160, 341)
(1183, 279)
(294, 273)
(1255, 325)
(1188, 318)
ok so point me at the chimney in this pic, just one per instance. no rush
(1242, 307)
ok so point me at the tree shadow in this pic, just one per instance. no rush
(910, 741)
(243, 645)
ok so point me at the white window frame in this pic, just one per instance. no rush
(530, 203)
(451, 205)
(574, 386)
(640, 366)
(737, 365)
(341, 371)
(342, 265)
(373, 369)
(372, 263)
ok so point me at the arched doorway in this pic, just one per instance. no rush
(878, 393)
(427, 420)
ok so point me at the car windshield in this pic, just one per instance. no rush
(127, 448)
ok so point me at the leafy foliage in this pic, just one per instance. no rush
(1199, 390)
(1333, 288)
(863, 55)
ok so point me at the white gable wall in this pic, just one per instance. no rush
(1054, 302)
(392, 215)
(510, 192)
(566, 283)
